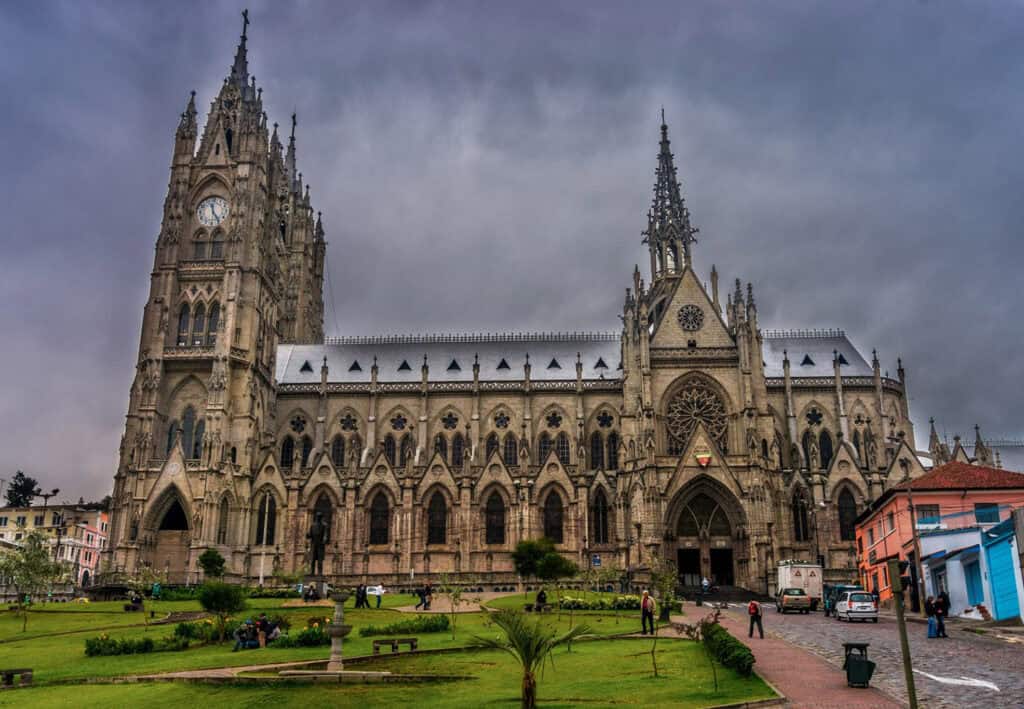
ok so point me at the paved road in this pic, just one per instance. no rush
(962, 655)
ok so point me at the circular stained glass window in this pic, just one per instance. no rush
(691, 318)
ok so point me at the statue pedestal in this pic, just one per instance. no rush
(319, 583)
(337, 630)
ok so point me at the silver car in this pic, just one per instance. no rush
(858, 605)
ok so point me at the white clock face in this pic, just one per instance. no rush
(212, 211)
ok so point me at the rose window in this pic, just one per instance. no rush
(348, 423)
(298, 424)
(698, 403)
(501, 420)
(450, 421)
(691, 318)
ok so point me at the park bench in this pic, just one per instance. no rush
(8, 677)
(393, 643)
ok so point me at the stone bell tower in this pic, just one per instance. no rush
(238, 268)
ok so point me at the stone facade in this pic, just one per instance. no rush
(691, 434)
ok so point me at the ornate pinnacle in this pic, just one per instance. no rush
(240, 69)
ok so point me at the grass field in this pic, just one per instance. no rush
(598, 672)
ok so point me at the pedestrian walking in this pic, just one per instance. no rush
(754, 611)
(929, 610)
(646, 612)
(421, 592)
(705, 585)
(941, 610)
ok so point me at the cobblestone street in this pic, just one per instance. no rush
(962, 655)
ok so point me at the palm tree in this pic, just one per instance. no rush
(530, 643)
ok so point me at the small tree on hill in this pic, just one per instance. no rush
(223, 600)
(22, 490)
(664, 578)
(29, 570)
(212, 564)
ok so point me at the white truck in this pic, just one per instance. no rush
(799, 574)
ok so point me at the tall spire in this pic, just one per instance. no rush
(981, 451)
(669, 232)
(240, 69)
(187, 125)
(289, 163)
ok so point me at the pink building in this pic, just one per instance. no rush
(956, 495)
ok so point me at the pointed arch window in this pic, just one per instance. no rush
(222, 521)
(212, 321)
(198, 325)
(171, 431)
(441, 446)
(511, 453)
(553, 514)
(266, 520)
(325, 509)
(492, 445)
(825, 448)
(307, 449)
(437, 519)
(408, 450)
(217, 246)
(599, 518)
(856, 443)
(184, 318)
(801, 529)
(338, 451)
(188, 429)
(458, 450)
(562, 447)
(197, 440)
(613, 451)
(543, 447)
(495, 519)
(596, 451)
(199, 248)
(847, 515)
(379, 519)
(287, 452)
(805, 443)
(389, 448)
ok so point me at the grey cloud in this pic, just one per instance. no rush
(488, 167)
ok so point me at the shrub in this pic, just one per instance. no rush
(221, 599)
(603, 603)
(272, 593)
(312, 636)
(729, 651)
(105, 645)
(212, 563)
(420, 624)
(179, 594)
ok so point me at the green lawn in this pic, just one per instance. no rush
(598, 672)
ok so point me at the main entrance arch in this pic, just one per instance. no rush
(171, 536)
(706, 526)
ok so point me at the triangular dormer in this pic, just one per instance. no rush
(905, 464)
(702, 456)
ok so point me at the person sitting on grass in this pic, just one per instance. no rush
(542, 600)
(245, 636)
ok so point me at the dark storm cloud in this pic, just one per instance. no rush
(488, 167)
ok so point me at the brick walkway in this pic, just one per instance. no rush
(808, 681)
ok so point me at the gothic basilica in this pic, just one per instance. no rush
(692, 434)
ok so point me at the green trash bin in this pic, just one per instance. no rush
(857, 665)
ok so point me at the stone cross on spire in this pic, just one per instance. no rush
(240, 69)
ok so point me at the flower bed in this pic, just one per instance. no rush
(602, 603)
(420, 624)
(105, 645)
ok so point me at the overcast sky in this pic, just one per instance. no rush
(488, 166)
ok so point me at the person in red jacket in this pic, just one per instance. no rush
(754, 611)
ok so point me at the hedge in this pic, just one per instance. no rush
(105, 645)
(729, 651)
(602, 603)
(420, 624)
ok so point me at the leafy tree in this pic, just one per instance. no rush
(22, 490)
(141, 581)
(531, 643)
(454, 591)
(528, 553)
(29, 570)
(664, 578)
(212, 564)
(223, 600)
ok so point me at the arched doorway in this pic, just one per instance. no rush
(170, 554)
(706, 521)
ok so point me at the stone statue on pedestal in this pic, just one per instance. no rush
(317, 537)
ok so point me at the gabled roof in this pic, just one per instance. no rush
(963, 476)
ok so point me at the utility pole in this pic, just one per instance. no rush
(908, 671)
(918, 567)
